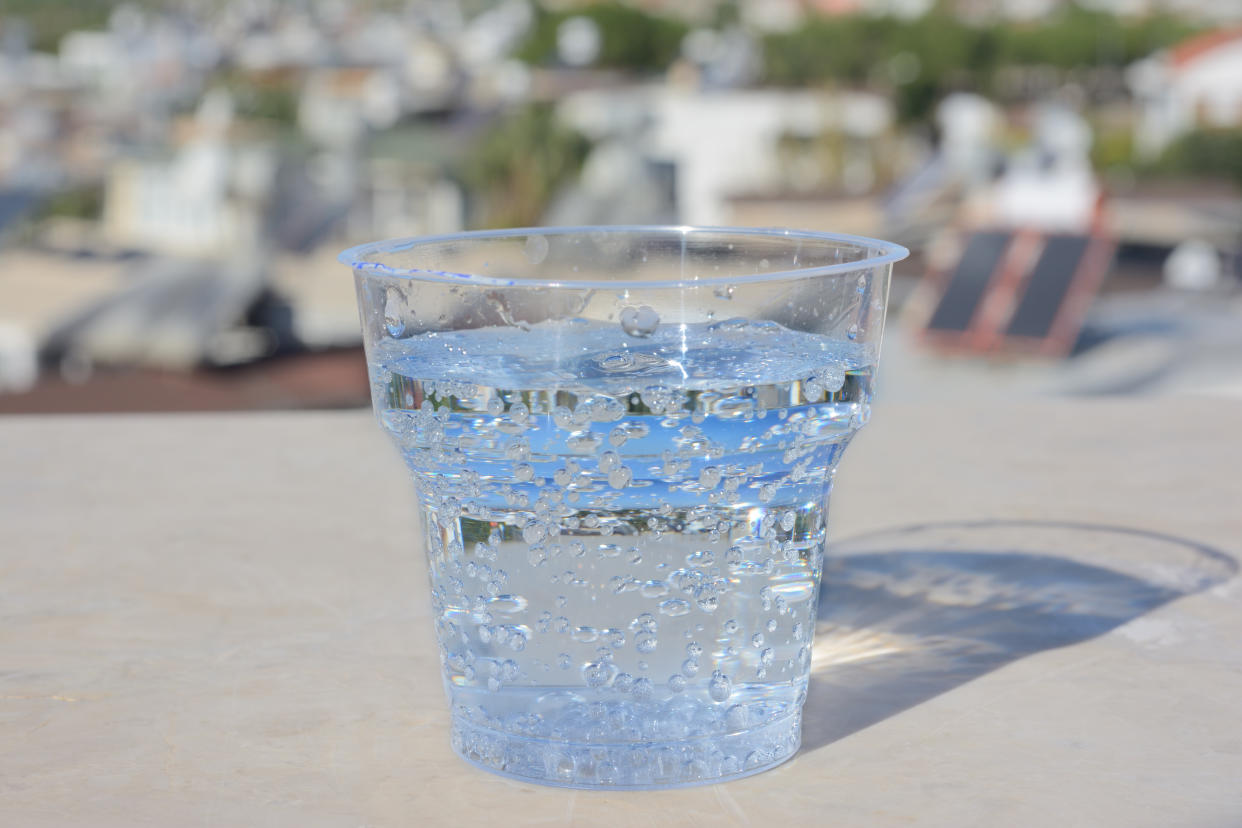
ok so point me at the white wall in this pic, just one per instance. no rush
(1174, 100)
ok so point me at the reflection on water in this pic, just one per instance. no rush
(907, 614)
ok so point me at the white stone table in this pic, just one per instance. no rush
(1030, 618)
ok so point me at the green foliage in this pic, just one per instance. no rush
(630, 38)
(274, 99)
(516, 166)
(726, 14)
(78, 203)
(1112, 148)
(50, 20)
(1205, 153)
(949, 53)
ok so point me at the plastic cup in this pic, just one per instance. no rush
(623, 441)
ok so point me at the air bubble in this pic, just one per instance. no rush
(677, 682)
(536, 249)
(719, 687)
(704, 557)
(707, 599)
(584, 442)
(598, 673)
(646, 621)
(616, 363)
(620, 478)
(395, 311)
(832, 378)
(674, 607)
(506, 604)
(639, 322)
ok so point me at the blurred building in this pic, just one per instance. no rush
(1198, 83)
(175, 181)
(1207, 11)
(723, 144)
(209, 196)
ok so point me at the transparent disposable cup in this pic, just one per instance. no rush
(623, 441)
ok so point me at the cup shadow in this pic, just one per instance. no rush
(909, 613)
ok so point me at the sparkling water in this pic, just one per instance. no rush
(625, 533)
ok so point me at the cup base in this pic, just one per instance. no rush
(632, 765)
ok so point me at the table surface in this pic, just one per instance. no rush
(1030, 618)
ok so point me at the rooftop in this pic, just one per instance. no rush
(225, 617)
(1196, 47)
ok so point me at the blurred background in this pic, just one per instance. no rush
(176, 178)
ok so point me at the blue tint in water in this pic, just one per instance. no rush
(613, 522)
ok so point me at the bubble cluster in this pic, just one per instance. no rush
(640, 321)
(631, 562)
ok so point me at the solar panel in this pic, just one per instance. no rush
(1019, 291)
(969, 281)
(1047, 286)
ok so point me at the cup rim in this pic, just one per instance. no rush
(357, 257)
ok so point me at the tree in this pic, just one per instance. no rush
(516, 166)
(949, 53)
(1203, 153)
(632, 39)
